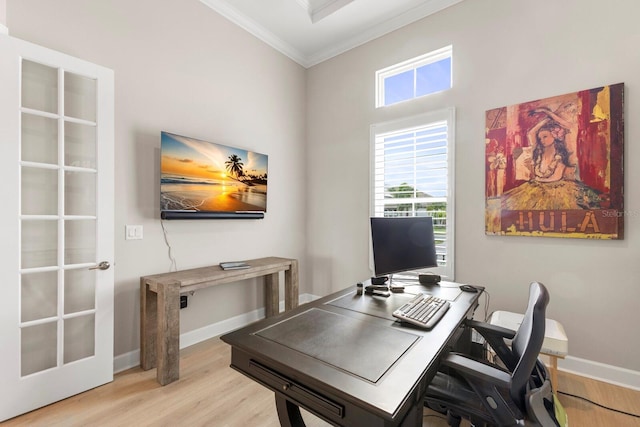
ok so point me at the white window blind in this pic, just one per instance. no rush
(412, 176)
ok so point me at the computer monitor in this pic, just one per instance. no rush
(402, 244)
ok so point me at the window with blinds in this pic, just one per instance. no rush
(412, 175)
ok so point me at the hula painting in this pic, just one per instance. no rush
(554, 167)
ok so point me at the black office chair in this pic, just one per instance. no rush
(518, 393)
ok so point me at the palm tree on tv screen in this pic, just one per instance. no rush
(235, 166)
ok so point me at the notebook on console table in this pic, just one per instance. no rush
(234, 265)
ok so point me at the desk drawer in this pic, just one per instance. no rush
(295, 391)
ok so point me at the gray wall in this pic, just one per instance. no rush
(181, 67)
(504, 52)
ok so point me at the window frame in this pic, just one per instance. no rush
(410, 64)
(425, 119)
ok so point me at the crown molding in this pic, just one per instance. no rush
(256, 29)
(404, 19)
(307, 61)
(323, 10)
(305, 5)
(327, 9)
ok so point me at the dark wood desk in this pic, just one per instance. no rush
(345, 358)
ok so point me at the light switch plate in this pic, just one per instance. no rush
(133, 232)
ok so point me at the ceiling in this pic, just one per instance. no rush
(311, 31)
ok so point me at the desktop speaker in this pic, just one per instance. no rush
(379, 280)
(429, 279)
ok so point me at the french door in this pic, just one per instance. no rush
(56, 223)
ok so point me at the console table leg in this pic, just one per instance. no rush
(291, 286)
(271, 294)
(148, 326)
(168, 345)
(288, 413)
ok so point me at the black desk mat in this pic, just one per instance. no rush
(352, 345)
(372, 305)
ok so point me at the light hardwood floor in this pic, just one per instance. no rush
(209, 393)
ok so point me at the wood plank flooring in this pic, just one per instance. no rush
(209, 393)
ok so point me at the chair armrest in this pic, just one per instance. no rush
(488, 329)
(474, 370)
(495, 336)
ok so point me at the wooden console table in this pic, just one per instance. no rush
(160, 305)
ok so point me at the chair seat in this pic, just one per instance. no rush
(555, 341)
(453, 392)
(446, 389)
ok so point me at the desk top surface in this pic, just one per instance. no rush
(351, 346)
(193, 276)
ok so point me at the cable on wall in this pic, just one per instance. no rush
(487, 299)
(173, 266)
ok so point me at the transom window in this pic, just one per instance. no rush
(424, 75)
(412, 175)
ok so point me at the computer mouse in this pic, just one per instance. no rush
(468, 288)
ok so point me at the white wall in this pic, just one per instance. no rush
(182, 68)
(504, 52)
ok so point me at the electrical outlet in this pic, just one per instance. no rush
(183, 301)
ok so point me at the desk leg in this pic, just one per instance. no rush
(288, 413)
(271, 294)
(414, 417)
(148, 326)
(291, 286)
(168, 344)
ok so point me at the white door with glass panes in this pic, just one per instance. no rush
(56, 222)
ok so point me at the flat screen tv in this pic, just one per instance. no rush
(402, 244)
(201, 179)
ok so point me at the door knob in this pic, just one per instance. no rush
(104, 265)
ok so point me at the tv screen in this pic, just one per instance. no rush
(402, 244)
(201, 179)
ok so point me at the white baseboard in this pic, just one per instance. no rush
(601, 372)
(586, 368)
(131, 359)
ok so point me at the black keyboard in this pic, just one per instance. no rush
(423, 310)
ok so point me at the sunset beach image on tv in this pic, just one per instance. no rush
(200, 176)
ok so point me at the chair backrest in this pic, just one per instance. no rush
(527, 342)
